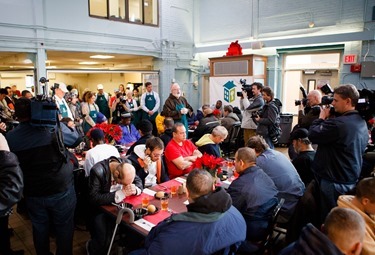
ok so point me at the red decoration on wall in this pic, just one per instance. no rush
(234, 49)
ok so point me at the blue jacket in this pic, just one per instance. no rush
(341, 144)
(210, 225)
(254, 194)
(287, 181)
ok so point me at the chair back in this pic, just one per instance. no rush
(270, 239)
(231, 144)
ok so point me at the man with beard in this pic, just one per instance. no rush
(177, 107)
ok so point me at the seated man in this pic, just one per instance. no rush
(100, 150)
(211, 224)
(209, 143)
(168, 134)
(180, 153)
(254, 194)
(364, 203)
(206, 124)
(229, 119)
(148, 163)
(129, 132)
(110, 181)
(277, 166)
(342, 233)
(145, 130)
(305, 154)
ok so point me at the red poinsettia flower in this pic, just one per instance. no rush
(210, 163)
(111, 132)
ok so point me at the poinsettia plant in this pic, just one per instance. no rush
(210, 163)
(112, 132)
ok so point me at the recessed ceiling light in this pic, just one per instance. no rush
(88, 63)
(27, 61)
(102, 56)
(51, 67)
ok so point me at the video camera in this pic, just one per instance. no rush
(247, 88)
(327, 99)
(303, 101)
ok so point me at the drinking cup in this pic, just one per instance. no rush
(174, 190)
(145, 201)
(164, 203)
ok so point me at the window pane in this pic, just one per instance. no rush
(117, 9)
(135, 11)
(151, 11)
(98, 8)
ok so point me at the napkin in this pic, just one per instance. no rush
(144, 224)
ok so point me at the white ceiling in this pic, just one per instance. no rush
(70, 60)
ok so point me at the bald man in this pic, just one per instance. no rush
(110, 181)
(177, 107)
(342, 233)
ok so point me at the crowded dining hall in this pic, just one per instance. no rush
(187, 127)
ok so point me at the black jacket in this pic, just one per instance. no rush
(11, 181)
(100, 183)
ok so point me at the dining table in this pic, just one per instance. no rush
(176, 204)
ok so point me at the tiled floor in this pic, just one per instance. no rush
(23, 238)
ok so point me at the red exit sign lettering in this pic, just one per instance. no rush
(350, 59)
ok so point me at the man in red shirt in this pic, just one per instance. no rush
(180, 153)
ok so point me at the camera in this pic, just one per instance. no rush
(303, 101)
(327, 100)
(247, 88)
(326, 89)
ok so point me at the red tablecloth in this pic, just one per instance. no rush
(157, 217)
(136, 201)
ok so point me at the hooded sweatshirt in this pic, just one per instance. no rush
(311, 242)
(206, 145)
(368, 248)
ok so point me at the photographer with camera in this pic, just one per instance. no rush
(309, 111)
(341, 143)
(118, 108)
(269, 119)
(251, 101)
(48, 177)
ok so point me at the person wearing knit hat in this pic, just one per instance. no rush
(306, 154)
(130, 133)
(145, 128)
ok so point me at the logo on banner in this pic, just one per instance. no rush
(229, 91)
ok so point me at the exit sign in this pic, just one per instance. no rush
(350, 59)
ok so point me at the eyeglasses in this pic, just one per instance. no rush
(156, 155)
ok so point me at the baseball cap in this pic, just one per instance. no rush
(62, 86)
(100, 86)
(299, 133)
(100, 117)
(97, 134)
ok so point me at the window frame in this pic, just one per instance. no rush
(127, 16)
